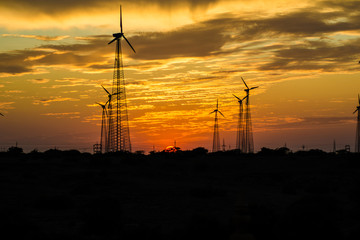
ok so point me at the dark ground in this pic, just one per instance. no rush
(68, 195)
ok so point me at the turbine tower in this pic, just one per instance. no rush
(357, 141)
(110, 120)
(119, 134)
(240, 136)
(249, 141)
(216, 137)
(103, 136)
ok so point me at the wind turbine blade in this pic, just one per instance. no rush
(212, 112)
(2, 114)
(129, 43)
(221, 114)
(359, 98)
(244, 83)
(112, 40)
(217, 104)
(244, 98)
(237, 97)
(115, 93)
(253, 88)
(121, 30)
(105, 90)
(355, 111)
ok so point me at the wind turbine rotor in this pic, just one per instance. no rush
(121, 29)
(128, 43)
(237, 97)
(106, 90)
(102, 105)
(113, 40)
(244, 83)
(221, 114)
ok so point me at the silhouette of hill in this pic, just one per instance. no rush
(274, 194)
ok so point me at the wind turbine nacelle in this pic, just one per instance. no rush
(117, 35)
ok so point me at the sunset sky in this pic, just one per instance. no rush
(303, 55)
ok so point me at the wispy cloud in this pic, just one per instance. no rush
(38, 37)
(38, 80)
(302, 122)
(6, 105)
(46, 102)
(70, 115)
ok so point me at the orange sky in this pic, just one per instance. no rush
(304, 56)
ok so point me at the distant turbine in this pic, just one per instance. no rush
(249, 142)
(119, 133)
(240, 137)
(216, 137)
(103, 136)
(357, 141)
(110, 120)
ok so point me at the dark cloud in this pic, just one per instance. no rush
(207, 38)
(311, 122)
(15, 62)
(315, 55)
(307, 23)
(195, 41)
(80, 55)
(50, 7)
(348, 5)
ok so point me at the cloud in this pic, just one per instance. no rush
(50, 7)
(70, 115)
(38, 37)
(282, 40)
(305, 122)
(191, 41)
(317, 55)
(6, 105)
(78, 55)
(46, 102)
(38, 80)
(14, 91)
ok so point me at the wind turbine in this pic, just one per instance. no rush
(119, 133)
(118, 36)
(103, 136)
(240, 137)
(216, 137)
(249, 142)
(2, 114)
(110, 133)
(357, 142)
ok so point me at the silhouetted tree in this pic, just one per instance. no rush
(15, 150)
(200, 151)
